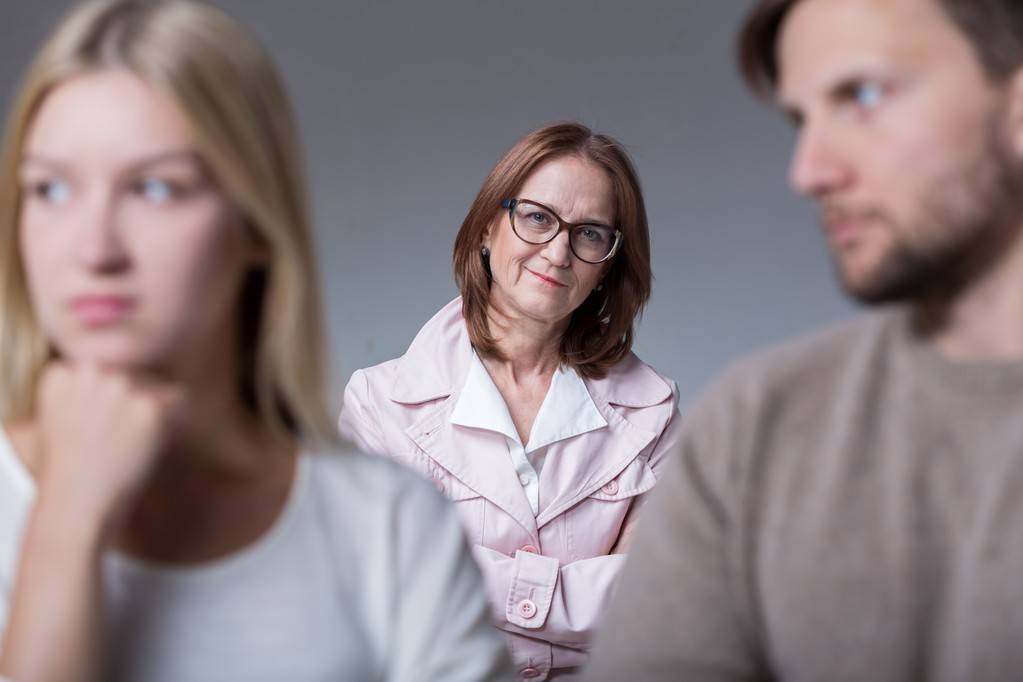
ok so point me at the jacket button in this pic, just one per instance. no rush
(531, 549)
(610, 488)
(527, 609)
(529, 673)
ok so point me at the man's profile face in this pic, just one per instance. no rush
(903, 142)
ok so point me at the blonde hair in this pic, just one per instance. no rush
(226, 87)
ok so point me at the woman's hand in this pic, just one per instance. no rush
(100, 433)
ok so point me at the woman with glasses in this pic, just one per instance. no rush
(174, 502)
(522, 399)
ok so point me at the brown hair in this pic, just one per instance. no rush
(993, 27)
(227, 88)
(600, 332)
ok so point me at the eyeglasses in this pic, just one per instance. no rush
(535, 223)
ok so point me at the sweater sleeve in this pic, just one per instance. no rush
(683, 607)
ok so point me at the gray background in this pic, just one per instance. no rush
(405, 106)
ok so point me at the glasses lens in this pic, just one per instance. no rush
(592, 243)
(534, 224)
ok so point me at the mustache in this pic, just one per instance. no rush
(832, 213)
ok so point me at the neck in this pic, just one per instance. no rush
(216, 431)
(983, 320)
(529, 347)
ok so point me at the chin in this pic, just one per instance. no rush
(545, 308)
(114, 356)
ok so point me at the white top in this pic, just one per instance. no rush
(363, 576)
(567, 410)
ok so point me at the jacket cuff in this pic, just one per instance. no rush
(534, 578)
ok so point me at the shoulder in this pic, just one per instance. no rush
(817, 358)
(371, 380)
(633, 383)
(371, 486)
(434, 364)
(791, 386)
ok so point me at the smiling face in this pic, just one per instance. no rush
(903, 142)
(133, 256)
(545, 282)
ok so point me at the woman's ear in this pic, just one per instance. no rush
(1014, 120)
(257, 250)
(488, 235)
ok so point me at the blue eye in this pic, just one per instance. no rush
(156, 191)
(590, 233)
(55, 192)
(869, 95)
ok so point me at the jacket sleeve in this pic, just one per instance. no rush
(359, 421)
(537, 596)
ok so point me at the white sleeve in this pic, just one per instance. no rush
(4, 606)
(443, 628)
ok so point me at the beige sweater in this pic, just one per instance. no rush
(846, 508)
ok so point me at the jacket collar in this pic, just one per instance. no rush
(437, 362)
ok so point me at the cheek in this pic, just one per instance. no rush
(195, 264)
(508, 255)
(588, 276)
(43, 256)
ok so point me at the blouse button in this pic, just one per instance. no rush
(610, 488)
(527, 609)
(531, 549)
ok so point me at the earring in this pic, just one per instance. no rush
(485, 251)
(600, 286)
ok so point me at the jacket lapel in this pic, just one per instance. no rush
(434, 367)
(478, 458)
(587, 462)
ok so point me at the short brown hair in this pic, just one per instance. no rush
(993, 27)
(600, 332)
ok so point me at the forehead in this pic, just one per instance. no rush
(110, 113)
(824, 40)
(573, 185)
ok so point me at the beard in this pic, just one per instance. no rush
(965, 222)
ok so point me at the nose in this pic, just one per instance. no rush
(557, 251)
(99, 243)
(818, 166)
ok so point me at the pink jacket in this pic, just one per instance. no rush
(550, 574)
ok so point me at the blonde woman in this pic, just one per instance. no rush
(173, 505)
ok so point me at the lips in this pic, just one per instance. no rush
(101, 310)
(844, 227)
(549, 281)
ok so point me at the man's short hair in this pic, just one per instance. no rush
(993, 27)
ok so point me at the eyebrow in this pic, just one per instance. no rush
(167, 156)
